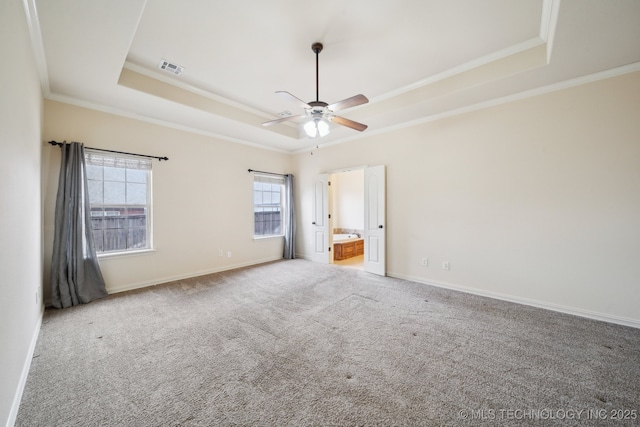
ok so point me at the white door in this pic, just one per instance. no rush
(320, 220)
(374, 220)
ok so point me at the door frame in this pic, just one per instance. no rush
(327, 257)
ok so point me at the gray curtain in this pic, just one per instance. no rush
(75, 273)
(289, 219)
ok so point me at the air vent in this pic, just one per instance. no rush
(170, 67)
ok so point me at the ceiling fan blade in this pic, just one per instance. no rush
(276, 121)
(348, 103)
(349, 123)
(287, 95)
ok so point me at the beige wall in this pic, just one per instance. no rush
(536, 201)
(20, 215)
(348, 199)
(202, 196)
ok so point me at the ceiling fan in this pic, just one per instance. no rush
(320, 113)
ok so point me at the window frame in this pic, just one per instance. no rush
(148, 206)
(282, 207)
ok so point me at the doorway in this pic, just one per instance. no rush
(374, 233)
(347, 218)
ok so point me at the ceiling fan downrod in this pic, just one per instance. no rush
(317, 48)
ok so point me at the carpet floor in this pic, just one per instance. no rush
(296, 343)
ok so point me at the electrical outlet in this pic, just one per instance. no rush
(220, 252)
(425, 262)
(37, 296)
(445, 265)
(229, 254)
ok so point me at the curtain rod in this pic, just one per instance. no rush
(268, 173)
(60, 144)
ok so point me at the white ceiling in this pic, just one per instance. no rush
(415, 60)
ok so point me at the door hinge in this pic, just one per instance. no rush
(329, 249)
(329, 216)
(328, 182)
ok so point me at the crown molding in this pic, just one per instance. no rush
(33, 23)
(173, 81)
(548, 23)
(131, 115)
(566, 84)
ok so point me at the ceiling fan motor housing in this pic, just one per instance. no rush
(315, 105)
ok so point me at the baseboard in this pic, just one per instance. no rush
(160, 280)
(603, 317)
(17, 398)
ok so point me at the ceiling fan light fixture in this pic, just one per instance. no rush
(316, 127)
(323, 128)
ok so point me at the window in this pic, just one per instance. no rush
(120, 199)
(267, 205)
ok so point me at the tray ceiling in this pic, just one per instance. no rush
(415, 60)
